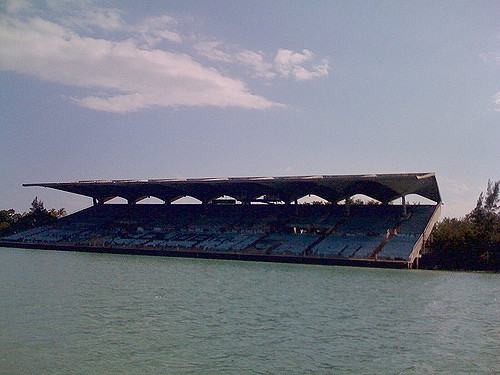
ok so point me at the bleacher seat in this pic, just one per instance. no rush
(237, 228)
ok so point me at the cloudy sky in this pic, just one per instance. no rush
(137, 90)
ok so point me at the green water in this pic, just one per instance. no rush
(76, 313)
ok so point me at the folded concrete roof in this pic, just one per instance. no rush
(334, 188)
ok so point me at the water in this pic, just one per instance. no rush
(76, 313)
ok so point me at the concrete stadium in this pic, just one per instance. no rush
(250, 218)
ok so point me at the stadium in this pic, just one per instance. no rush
(250, 218)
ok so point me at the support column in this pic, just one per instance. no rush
(403, 203)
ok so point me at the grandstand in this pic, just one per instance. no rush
(262, 220)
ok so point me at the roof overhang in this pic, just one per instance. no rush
(334, 188)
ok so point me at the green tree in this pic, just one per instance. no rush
(7, 218)
(37, 206)
(472, 242)
(57, 213)
(10, 221)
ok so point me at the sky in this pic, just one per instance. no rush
(142, 90)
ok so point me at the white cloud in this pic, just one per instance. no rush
(152, 30)
(490, 57)
(300, 73)
(135, 70)
(256, 61)
(287, 63)
(105, 19)
(286, 58)
(211, 52)
(159, 28)
(168, 35)
(496, 100)
(290, 63)
(136, 77)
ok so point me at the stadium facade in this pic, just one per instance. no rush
(250, 218)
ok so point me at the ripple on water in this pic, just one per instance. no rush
(87, 313)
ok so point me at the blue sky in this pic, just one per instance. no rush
(127, 89)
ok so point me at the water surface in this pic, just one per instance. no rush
(78, 313)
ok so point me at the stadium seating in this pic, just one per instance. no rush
(318, 230)
(399, 247)
(419, 216)
(293, 244)
(347, 246)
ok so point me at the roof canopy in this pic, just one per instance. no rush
(333, 188)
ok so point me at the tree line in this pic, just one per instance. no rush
(471, 242)
(11, 221)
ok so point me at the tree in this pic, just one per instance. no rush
(490, 202)
(472, 242)
(7, 218)
(58, 213)
(36, 206)
(10, 221)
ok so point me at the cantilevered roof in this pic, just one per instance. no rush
(334, 188)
